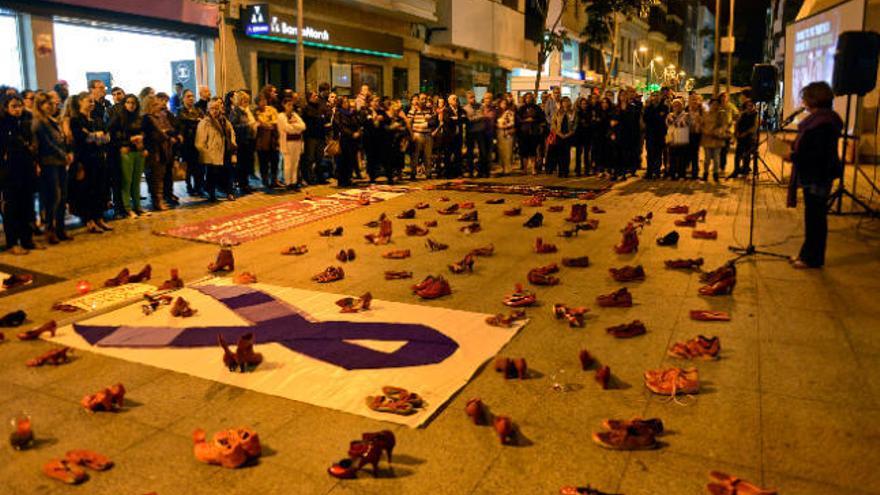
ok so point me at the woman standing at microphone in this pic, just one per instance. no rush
(816, 165)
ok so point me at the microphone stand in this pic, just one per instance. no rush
(750, 249)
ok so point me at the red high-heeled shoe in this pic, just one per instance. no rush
(435, 246)
(603, 377)
(142, 276)
(465, 265)
(348, 468)
(720, 288)
(53, 357)
(50, 326)
(384, 440)
(121, 278)
(698, 216)
(630, 241)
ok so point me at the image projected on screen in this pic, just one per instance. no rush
(810, 44)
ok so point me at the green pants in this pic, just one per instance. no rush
(132, 164)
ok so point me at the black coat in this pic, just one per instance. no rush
(815, 157)
(655, 122)
(17, 146)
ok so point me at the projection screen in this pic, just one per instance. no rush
(809, 52)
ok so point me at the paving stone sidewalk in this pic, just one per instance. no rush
(794, 403)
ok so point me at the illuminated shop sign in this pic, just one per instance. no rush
(259, 22)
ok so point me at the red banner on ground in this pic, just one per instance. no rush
(250, 225)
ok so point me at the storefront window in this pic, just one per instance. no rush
(10, 53)
(132, 60)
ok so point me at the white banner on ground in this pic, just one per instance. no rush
(459, 341)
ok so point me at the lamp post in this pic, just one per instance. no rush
(642, 49)
(659, 60)
(300, 55)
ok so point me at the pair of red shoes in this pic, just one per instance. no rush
(578, 213)
(230, 448)
(574, 315)
(125, 277)
(296, 250)
(500, 320)
(542, 275)
(520, 297)
(720, 281)
(465, 265)
(366, 451)
(432, 287)
(330, 274)
(512, 368)
(355, 304)
(69, 470)
(244, 358)
(503, 425)
(346, 255)
(383, 236)
(621, 298)
(109, 399)
(634, 434)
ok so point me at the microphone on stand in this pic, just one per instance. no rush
(791, 117)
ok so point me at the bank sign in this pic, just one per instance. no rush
(259, 22)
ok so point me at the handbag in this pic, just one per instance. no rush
(332, 148)
(551, 138)
(178, 170)
(678, 136)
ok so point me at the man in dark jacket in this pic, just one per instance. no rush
(316, 116)
(655, 133)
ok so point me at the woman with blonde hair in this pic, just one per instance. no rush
(290, 141)
(245, 124)
(215, 141)
(267, 140)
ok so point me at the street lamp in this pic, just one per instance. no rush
(642, 49)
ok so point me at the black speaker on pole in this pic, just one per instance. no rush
(855, 63)
(764, 83)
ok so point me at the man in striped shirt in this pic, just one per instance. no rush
(422, 122)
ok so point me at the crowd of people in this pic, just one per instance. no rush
(85, 154)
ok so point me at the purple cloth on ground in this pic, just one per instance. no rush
(140, 337)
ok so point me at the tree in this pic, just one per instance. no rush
(603, 27)
(552, 38)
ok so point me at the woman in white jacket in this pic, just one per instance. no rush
(290, 130)
(215, 141)
(504, 129)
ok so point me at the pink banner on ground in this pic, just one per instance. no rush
(250, 225)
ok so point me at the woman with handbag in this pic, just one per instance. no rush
(678, 124)
(290, 134)
(215, 140)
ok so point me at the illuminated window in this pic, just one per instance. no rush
(10, 53)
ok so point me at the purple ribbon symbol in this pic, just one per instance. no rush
(276, 321)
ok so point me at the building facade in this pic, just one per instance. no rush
(348, 44)
(81, 40)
